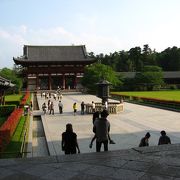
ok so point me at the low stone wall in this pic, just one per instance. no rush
(113, 107)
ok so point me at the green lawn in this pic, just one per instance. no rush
(165, 95)
(13, 97)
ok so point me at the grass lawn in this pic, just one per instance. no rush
(13, 97)
(165, 95)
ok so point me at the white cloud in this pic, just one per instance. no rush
(13, 39)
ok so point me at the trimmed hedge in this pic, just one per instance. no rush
(6, 110)
(17, 103)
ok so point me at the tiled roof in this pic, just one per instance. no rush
(54, 53)
(5, 82)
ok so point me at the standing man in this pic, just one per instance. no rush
(93, 107)
(51, 108)
(60, 105)
(82, 107)
(101, 129)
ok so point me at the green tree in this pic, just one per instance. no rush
(149, 79)
(169, 59)
(136, 58)
(96, 72)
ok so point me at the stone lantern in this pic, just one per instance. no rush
(103, 90)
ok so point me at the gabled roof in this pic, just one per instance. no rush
(52, 54)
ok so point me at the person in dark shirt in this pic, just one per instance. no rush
(164, 139)
(82, 107)
(145, 140)
(69, 141)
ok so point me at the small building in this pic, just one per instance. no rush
(52, 67)
(4, 85)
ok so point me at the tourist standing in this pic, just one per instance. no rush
(82, 107)
(51, 108)
(145, 140)
(69, 142)
(31, 105)
(60, 105)
(75, 108)
(93, 107)
(164, 139)
(101, 129)
(61, 96)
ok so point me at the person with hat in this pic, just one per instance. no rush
(101, 129)
(145, 140)
(164, 139)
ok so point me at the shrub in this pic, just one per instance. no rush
(12, 102)
(6, 110)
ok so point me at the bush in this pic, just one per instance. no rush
(16, 103)
(6, 110)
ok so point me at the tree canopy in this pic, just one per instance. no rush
(96, 72)
(149, 79)
(136, 59)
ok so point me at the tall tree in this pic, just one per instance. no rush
(135, 57)
(150, 78)
(96, 72)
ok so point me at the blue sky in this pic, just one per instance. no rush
(104, 26)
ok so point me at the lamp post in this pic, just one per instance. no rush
(103, 90)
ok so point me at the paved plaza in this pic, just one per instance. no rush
(127, 127)
(130, 162)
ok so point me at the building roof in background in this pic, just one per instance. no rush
(5, 82)
(50, 54)
(166, 74)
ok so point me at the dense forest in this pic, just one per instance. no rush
(137, 58)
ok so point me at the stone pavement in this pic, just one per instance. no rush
(146, 163)
(127, 128)
(130, 162)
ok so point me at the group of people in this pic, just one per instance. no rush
(56, 95)
(163, 139)
(50, 104)
(101, 129)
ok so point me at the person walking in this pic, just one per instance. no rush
(96, 117)
(69, 142)
(51, 108)
(145, 140)
(75, 108)
(101, 129)
(60, 105)
(164, 139)
(44, 107)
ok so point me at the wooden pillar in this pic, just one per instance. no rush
(2, 97)
(37, 82)
(63, 82)
(75, 80)
(49, 82)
